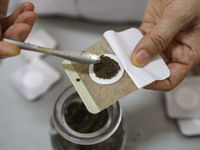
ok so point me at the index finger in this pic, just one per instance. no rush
(3, 11)
(3, 8)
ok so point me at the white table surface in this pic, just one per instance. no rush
(24, 125)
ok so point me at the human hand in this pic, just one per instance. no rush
(171, 28)
(17, 26)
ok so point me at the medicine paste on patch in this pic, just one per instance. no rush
(111, 80)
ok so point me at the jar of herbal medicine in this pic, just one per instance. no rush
(74, 128)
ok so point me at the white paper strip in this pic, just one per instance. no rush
(122, 44)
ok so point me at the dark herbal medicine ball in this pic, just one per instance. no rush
(106, 68)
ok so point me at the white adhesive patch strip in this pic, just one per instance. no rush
(122, 44)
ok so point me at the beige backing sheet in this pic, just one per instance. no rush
(95, 96)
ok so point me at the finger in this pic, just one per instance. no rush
(167, 53)
(177, 73)
(3, 8)
(8, 50)
(28, 17)
(156, 41)
(146, 28)
(19, 31)
(8, 21)
(190, 39)
(165, 58)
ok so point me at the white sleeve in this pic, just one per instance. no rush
(112, 10)
(50, 7)
(98, 10)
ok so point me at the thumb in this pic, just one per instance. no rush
(156, 41)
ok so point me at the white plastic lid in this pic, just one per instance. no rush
(33, 79)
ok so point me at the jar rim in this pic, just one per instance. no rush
(114, 112)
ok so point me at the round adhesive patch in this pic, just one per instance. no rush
(106, 81)
(186, 98)
(197, 121)
(33, 79)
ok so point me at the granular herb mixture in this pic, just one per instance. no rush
(106, 68)
(80, 120)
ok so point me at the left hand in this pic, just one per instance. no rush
(17, 26)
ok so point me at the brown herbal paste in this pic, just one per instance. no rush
(80, 120)
(106, 68)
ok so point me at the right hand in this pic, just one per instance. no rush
(172, 29)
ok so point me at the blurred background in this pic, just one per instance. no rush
(25, 112)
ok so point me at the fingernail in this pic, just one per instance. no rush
(142, 58)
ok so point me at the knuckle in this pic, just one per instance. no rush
(160, 42)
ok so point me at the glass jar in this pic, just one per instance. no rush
(106, 131)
